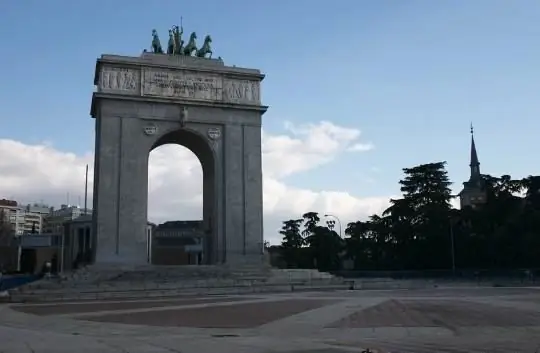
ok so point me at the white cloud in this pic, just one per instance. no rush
(361, 147)
(31, 173)
(306, 147)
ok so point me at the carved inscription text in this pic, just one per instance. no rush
(181, 84)
(119, 79)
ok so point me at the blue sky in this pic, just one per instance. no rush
(411, 74)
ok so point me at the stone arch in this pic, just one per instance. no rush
(141, 102)
(201, 147)
(191, 139)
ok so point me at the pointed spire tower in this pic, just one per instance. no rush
(474, 164)
(473, 193)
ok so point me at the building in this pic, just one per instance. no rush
(66, 251)
(64, 237)
(34, 215)
(54, 221)
(24, 219)
(473, 193)
(78, 245)
(170, 243)
(37, 249)
(178, 243)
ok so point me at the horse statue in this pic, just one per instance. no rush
(191, 46)
(170, 45)
(156, 44)
(205, 49)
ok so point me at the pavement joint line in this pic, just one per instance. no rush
(173, 307)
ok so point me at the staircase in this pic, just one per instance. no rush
(168, 281)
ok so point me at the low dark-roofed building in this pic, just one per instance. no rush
(178, 243)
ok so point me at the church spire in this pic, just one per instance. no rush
(475, 164)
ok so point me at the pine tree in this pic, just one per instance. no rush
(292, 241)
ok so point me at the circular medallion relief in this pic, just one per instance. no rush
(214, 133)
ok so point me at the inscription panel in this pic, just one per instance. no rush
(120, 80)
(182, 84)
(241, 91)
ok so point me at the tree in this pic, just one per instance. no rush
(367, 243)
(494, 225)
(427, 185)
(8, 250)
(292, 241)
(419, 221)
(531, 186)
(7, 235)
(325, 246)
(311, 221)
(421, 231)
(356, 246)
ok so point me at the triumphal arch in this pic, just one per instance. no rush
(186, 98)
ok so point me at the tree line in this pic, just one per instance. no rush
(8, 250)
(422, 231)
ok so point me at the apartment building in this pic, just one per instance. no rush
(24, 219)
(55, 219)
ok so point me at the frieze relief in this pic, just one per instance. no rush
(120, 79)
(181, 84)
(241, 91)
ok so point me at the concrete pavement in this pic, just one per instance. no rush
(429, 320)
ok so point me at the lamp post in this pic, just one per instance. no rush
(62, 250)
(331, 223)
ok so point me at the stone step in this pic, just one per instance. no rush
(181, 275)
(99, 283)
(146, 285)
(179, 292)
(51, 284)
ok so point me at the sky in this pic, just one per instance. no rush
(357, 90)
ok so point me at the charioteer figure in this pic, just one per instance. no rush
(175, 45)
(177, 39)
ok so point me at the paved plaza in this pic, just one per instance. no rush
(427, 320)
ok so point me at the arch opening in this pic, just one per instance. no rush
(182, 230)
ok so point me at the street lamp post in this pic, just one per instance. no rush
(337, 219)
(62, 250)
